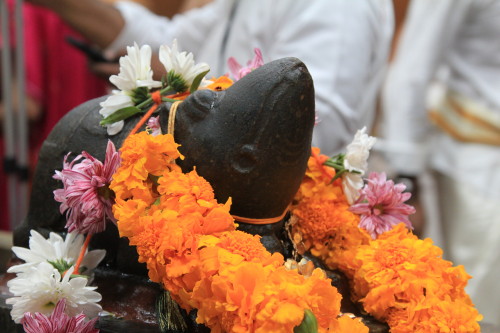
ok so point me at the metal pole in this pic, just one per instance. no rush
(8, 121)
(22, 119)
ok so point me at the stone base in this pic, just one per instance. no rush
(131, 301)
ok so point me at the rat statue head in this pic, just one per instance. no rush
(251, 142)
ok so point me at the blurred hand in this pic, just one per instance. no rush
(104, 69)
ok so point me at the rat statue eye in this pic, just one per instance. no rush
(199, 106)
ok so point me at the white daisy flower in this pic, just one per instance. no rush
(356, 163)
(57, 251)
(40, 288)
(180, 66)
(135, 72)
(118, 100)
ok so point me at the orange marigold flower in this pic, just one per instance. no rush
(127, 213)
(158, 151)
(317, 180)
(244, 244)
(221, 83)
(441, 316)
(398, 270)
(254, 298)
(346, 324)
(319, 219)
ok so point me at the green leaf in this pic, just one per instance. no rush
(60, 264)
(197, 81)
(140, 95)
(309, 323)
(120, 115)
(176, 81)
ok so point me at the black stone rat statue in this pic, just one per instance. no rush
(251, 142)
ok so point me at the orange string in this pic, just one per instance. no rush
(180, 96)
(82, 254)
(269, 220)
(156, 96)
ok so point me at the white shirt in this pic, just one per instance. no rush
(343, 43)
(463, 36)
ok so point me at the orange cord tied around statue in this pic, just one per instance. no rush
(250, 220)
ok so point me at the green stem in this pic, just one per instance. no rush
(165, 99)
(334, 165)
(338, 175)
(150, 100)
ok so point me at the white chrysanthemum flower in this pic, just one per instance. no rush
(356, 163)
(118, 100)
(135, 72)
(57, 251)
(41, 287)
(181, 65)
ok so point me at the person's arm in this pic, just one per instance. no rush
(97, 21)
(190, 28)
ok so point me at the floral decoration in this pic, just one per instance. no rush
(134, 79)
(42, 286)
(57, 322)
(351, 166)
(191, 245)
(182, 72)
(238, 71)
(381, 205)
(139, 92)
(85, 195)
(153, 125)
(60, 253)
(398, 278)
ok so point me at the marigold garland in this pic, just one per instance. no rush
(323, 223)
(190, 245)
(397, 277)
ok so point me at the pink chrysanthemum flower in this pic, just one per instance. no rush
(58, 322)
(381, 205)
(153, 125)
(238, 71)
(85, 197)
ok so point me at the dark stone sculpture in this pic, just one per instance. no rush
(251, 142)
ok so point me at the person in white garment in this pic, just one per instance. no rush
(344, 44)
(453, 45)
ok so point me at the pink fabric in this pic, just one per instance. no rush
(57, 77)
